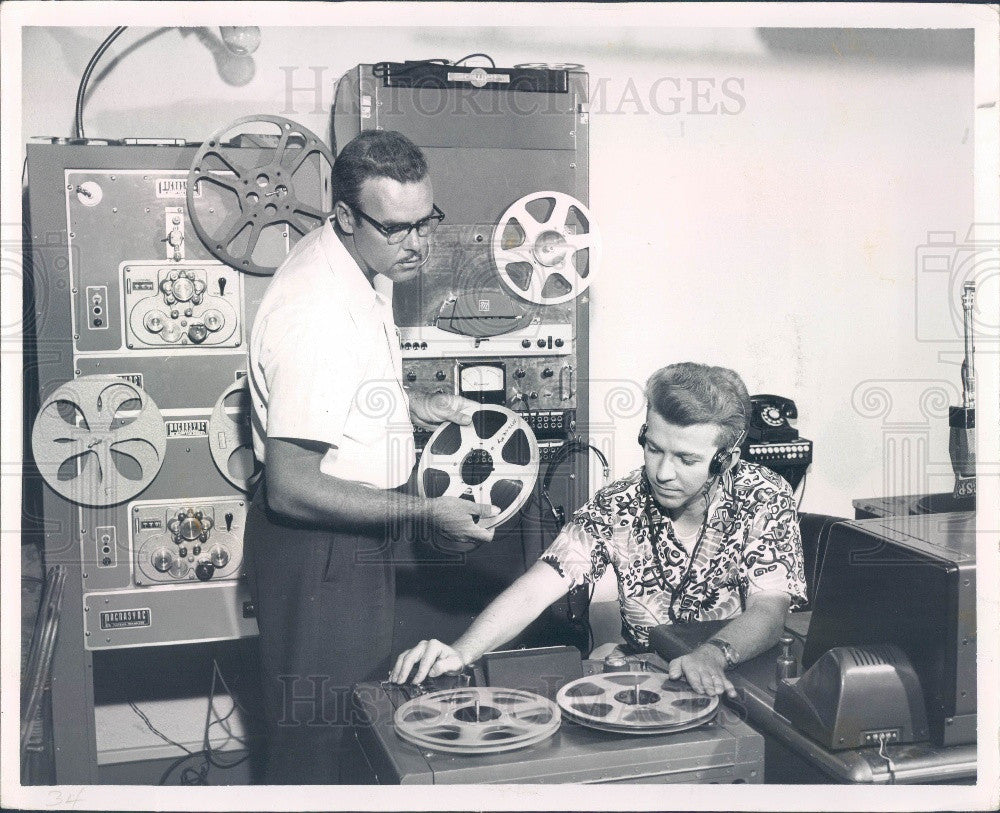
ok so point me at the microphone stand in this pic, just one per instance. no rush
(962, 420)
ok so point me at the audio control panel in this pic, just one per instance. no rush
(187, 542)
(536, 385)
(181, 306)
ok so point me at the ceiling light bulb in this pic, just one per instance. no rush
(240, 39)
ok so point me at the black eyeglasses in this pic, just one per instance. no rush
(396, 233)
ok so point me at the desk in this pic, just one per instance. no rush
(790, 756)
(878, 507)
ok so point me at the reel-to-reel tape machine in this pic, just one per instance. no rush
(149, 260)
(618, 726)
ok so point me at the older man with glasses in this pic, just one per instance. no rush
(332, 424)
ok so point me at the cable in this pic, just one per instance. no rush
(380, 70)
(890, 766)
(572, 446)
(208, 753)
(484, 56)
(802, 493)
(575, 445)
(81, 91)
(156, 731)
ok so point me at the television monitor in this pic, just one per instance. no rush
(911, 581)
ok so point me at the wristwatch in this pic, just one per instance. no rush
(727, 651)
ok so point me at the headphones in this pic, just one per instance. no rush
(720, 461)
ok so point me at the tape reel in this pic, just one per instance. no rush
(546, 247)
(230, 437)
(635, 703)
(233, 206)
(494, 461)
(99, 440)
(477, 720)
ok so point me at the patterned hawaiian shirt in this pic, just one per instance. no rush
(750, 543)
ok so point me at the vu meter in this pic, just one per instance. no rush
(485, 383)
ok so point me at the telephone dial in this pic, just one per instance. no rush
(769, 415)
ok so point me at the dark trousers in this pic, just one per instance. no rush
(325, 613)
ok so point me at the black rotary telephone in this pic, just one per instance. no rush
(769, 416)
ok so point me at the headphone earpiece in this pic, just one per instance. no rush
(720, 462)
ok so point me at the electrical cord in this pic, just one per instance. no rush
(802, 493)
(471, 56)
(572, 446)
(187, 751)
(81, 91)
(198, 775)
(380, 70)
(575, 445)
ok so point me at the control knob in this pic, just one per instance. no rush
(219, 556)
(154, 321)
(182, 289)
(213, 320)
(204, 571)
(162, 559)
(197, 333)
(190, 525)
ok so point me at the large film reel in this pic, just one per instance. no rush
(98, 440)
(477, 720)
(493, 460)
(635, 703)
(230, 437)
(546, 247)
(233, 206)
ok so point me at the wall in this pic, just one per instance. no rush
(779, 234)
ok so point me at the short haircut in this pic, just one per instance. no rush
(375, 154)
(688, 393)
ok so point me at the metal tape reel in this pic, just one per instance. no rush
(249, 200)
(230, 437)
(477, 720)
(494, 461)
(99, 440)
(546, 247)
(635, 702)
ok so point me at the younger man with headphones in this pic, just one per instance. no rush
(696, 534)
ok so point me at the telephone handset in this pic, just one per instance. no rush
(769, 416)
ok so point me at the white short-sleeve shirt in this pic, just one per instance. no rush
(325, 365)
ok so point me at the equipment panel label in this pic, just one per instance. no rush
(174, 188)
(121, 619)
(187, 429)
